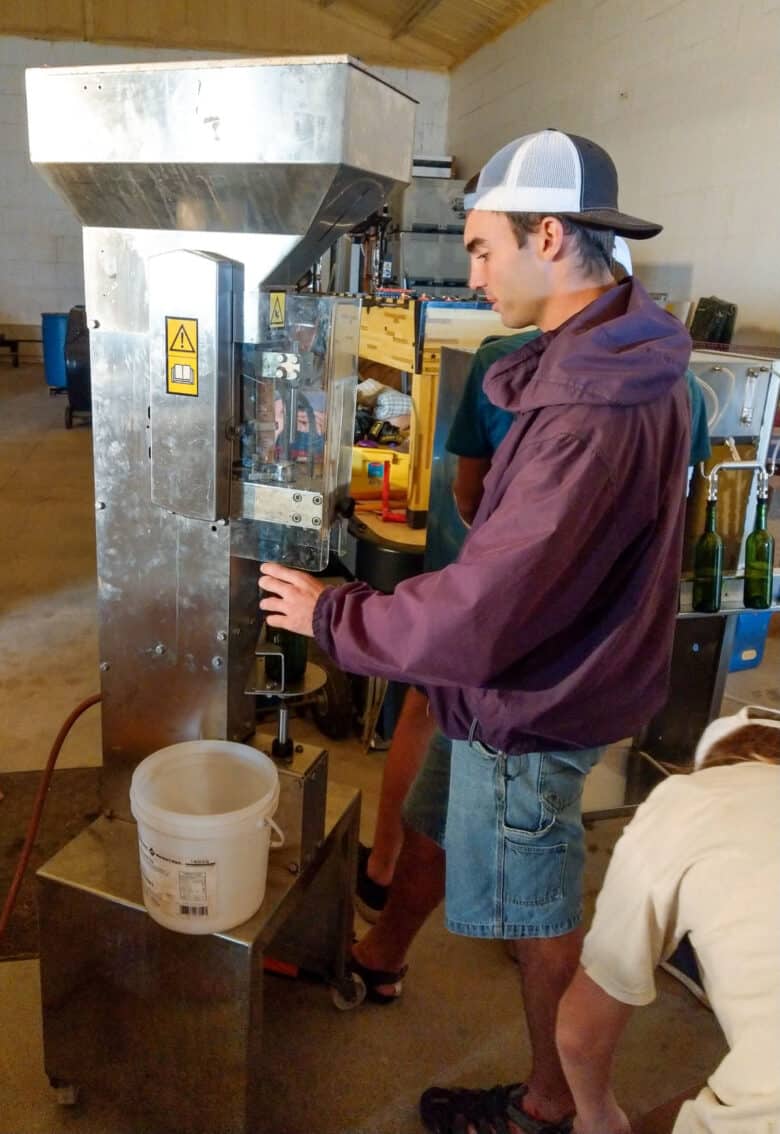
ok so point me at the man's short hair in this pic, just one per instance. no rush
(752, 743)
(594, 245)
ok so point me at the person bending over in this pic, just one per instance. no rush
(700, 857)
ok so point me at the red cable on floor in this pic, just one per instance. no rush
(40, 800)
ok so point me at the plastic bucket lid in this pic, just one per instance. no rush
(199, 786)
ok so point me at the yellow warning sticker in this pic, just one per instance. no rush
(181, 343)
(278, 300)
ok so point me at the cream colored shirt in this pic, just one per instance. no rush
(702, 856)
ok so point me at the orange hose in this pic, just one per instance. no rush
(40, 799)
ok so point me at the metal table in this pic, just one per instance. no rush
(170, 1024)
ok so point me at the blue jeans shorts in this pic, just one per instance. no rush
(511, 827)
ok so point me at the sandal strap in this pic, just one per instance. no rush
(456, 1110)
(374, 977)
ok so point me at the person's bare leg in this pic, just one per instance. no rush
(416, 891)
(547, 966)
(413, 730)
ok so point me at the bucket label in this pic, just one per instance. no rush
(178, 887)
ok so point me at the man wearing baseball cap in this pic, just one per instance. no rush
(551, 634)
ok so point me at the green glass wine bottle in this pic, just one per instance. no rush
(708, 565)
(759, 561)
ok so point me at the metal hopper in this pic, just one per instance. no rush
(299, 149)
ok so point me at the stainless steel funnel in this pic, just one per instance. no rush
(299, 149)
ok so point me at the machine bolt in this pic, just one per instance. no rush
(104, 666)
(216, 663)
(316, 500)
(299, 748)
(221, 636)
(315, 521)
(297, 497)
(293, 867)
(99, 505)
(296, 517)
(159, 649)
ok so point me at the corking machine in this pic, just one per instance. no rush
(223, 409)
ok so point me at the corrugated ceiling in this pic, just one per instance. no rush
(435, 34)
(448, 30)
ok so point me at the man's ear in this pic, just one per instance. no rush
(550, 238)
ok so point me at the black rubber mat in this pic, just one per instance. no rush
(72, 803)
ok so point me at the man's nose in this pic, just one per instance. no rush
(476, 275)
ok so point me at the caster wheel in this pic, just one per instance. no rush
(66, 1094)
(350, 994)
(68, 417)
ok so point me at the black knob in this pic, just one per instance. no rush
(282, 750)
(346, 508)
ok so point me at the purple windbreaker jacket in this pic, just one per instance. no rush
(553, 629)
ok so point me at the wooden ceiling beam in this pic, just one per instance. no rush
(413, 14)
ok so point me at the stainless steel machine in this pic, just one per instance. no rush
(740, 390)
(223, 407)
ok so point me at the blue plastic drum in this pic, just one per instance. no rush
(54, 326)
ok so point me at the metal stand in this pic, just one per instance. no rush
(168, 1024)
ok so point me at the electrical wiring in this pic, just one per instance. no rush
(708, 392)
(720, 408)
(773, 459)
(40, 800)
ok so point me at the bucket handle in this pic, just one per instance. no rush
(273, 845)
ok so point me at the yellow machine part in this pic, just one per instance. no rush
(389, 335)
(368, 469)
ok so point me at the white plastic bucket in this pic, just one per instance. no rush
(204, 812)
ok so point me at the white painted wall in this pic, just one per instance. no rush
(40, 238)
(685, 95)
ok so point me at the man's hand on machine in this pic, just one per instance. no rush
(289, 597)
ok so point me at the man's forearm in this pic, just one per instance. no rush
(590, 1023)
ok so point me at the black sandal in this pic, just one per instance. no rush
(457, 1110)
(373, 978)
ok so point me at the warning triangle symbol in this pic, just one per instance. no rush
(182, 341)
(277, 311)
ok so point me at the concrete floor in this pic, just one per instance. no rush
(327, 1072)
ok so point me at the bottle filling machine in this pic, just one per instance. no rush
(223, 408)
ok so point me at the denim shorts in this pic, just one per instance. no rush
(425, 806)
(511, 827)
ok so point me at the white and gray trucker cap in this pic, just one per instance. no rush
(553, 172)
